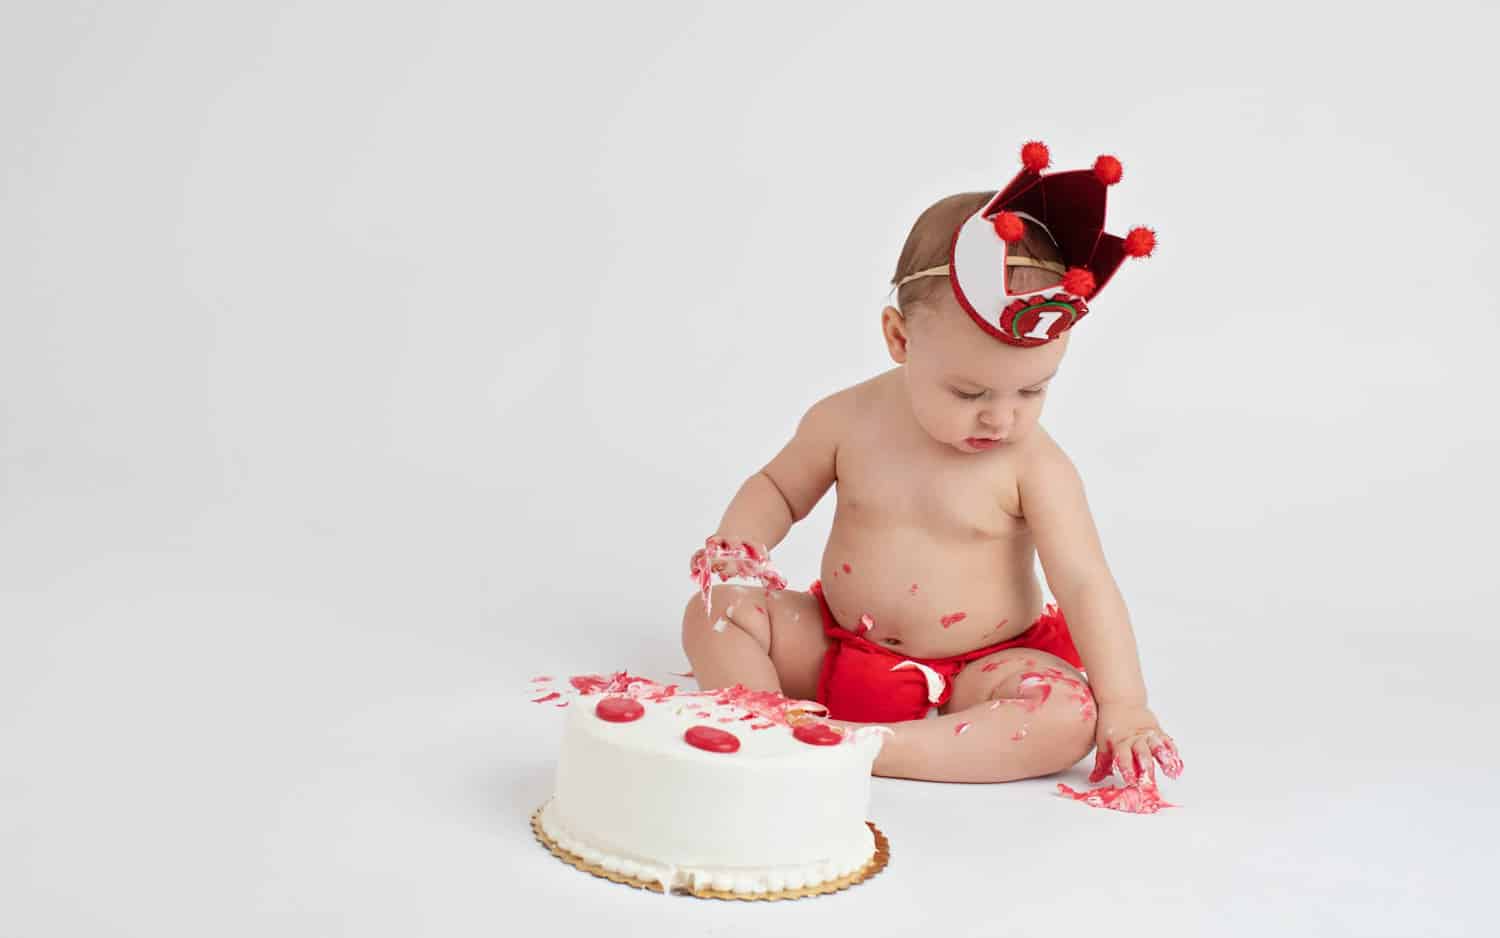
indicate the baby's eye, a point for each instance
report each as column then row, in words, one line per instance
column 1031, row 392
column 968, row 397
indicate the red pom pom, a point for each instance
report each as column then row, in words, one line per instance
column 1140, row 242
column 1078, row 281
column 1034, row 156
column 1009, row 226
column 1108, row 169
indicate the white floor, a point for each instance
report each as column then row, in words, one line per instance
column 360, row 361
column 245, row 723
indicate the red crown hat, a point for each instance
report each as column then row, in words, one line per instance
column 1070, row 208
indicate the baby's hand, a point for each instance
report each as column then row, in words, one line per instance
column 732, row 557
column 1131, row 741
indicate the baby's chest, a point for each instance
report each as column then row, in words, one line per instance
column 951, row 500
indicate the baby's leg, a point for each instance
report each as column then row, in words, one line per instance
column 764, row 639
column 1018, row 713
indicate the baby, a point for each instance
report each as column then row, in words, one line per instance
column 948, row 488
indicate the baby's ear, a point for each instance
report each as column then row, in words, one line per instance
column 893, row 327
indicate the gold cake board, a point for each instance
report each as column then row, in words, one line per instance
column 877, row 863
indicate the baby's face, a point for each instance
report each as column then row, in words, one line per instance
column 969, row 390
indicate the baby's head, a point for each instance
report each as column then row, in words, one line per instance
column 966, row 387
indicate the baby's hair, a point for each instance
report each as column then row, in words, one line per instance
column 930, row 243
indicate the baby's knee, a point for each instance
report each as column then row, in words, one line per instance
column 729, row 607
column 1060, row 717
column 1062, row 732
column 1071, row 727
column 722, row 599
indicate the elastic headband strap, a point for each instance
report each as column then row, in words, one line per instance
column 942, row 271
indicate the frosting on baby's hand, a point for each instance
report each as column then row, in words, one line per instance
column 744, row 559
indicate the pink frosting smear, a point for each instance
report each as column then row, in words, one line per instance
column 752, row 564
column 1171, row 762
column 1131, row 799
column 1105, row 761
column 762, row 709
column 1045, row 679
column 1139, row 794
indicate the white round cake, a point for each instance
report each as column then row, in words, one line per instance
column 732, row 790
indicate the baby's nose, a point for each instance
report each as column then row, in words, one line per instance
column 999, row 420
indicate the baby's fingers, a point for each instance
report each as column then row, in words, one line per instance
column 1125, row 763
column 1165, row 752
column 1145, row 768
column 1103, row 758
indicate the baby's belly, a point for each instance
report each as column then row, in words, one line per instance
column 930, row 597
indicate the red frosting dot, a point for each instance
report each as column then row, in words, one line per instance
column 817, row 734
column 619, row 709
column 711, row 739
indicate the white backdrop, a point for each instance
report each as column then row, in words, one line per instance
column 360, row 361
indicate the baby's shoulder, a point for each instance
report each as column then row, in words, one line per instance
column 1042, row 463
column 827, row 416
column 841, row 407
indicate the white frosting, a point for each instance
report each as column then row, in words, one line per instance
column 637, row 799
column 935, row 681
column 744, row 879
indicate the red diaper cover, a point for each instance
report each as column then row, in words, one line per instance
column 864, row 682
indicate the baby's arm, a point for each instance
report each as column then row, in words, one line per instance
column 1054, row 505
column 1128, row 735
column 779, row 645
column 785, row 491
